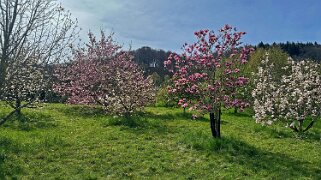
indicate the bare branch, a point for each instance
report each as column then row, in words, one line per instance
column 33, row 35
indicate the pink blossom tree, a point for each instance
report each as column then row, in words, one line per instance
column 207, row 74
column 103, row 74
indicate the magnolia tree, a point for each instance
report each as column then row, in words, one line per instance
column 206, row 76
column 33, row 34
column 296, row 100
column 103, row 74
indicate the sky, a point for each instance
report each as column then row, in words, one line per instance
column 168, row 24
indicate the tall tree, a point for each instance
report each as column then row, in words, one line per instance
column 33, row 34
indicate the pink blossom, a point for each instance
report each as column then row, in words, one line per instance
column 104, row 74
column 194, row 70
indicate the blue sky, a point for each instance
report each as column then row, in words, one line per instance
column 168, row 24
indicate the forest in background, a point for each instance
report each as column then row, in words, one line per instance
column 152, row 60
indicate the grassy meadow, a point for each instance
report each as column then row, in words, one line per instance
column 60, row 141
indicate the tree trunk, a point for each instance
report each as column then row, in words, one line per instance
column 18, row 108
column 2, row 72
column 218, row 124
column 309, row 126
column 301, row 125
column 215, row 120
column 212, row 121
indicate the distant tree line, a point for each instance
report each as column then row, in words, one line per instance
column 152, row 60
column 297, row 50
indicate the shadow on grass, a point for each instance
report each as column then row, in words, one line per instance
column 310, row 136
column 279, row 131
column 178, row 116
column 30, row 121
column 8, row 146
column 276, row 165
column 82, row 111
column 172, row 116
column 2, row 159
column 96, row 111
column 136, row 124
column 245, row 114
column 272, row 131
column 14, row 147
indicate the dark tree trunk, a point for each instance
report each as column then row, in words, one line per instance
column 2, row 72
column 18, row 107
column 215, row 121
column 212, row 121
column 309, row 126
column 235, row 110
column 218, row 124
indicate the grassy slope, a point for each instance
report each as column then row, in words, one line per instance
column 72, row 142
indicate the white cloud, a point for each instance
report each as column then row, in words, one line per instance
column 136, row 22
column 167, row 24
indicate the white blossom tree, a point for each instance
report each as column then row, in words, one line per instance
column 33, row 34
column 300, row 95
column 265, row 93
column 295, row 99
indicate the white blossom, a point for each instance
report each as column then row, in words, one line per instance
column 294, row 99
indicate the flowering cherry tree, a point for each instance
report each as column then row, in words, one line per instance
column 300, row 95
column 265, row 93
column 103, row 74
column 296, row 100
column 206, row 75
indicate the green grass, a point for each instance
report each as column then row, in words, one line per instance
column 74, row 142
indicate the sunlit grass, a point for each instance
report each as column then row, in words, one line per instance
column 76, row 142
